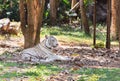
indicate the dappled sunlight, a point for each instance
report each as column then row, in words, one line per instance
column 59, row 40
column 23, row 71
column 75, row 45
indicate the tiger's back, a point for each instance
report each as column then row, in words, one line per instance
column 40, row 51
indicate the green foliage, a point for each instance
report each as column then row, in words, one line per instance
column 66, row 2
column 10, row 9
column 64, row 6
column 88, row 2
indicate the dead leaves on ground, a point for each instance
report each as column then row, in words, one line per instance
column 91, row 57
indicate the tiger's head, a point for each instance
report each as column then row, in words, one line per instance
column 50, row 42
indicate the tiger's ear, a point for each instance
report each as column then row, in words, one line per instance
column 46, row 36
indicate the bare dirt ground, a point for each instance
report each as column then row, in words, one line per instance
column 83, row 56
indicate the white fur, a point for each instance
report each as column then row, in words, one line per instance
column 42, row 53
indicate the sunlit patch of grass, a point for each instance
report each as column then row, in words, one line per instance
column 41, row 72
column 74, row 40
column 91, row 74
column 33, row 72
column 10, row 75
column 12, row 64
column 68, row 35
column 115, row 43
column 2, row 37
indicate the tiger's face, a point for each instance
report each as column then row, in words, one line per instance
column 51, row 42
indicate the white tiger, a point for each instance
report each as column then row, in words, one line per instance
column 42, row 52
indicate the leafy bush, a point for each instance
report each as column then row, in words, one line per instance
column 10, row 9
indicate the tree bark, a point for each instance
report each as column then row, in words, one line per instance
column 108, row 24
column 31, row 12
column 84, row 17
column 118, row 20
column 115, row 24
column 113, row 20
column 94, row 24
column 53, row 11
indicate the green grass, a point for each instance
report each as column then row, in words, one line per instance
column 31, row 71
column 40, row 72
column 75, row 36
column 70, row 35
column 102, row 74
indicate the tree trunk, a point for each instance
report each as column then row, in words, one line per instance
column 115, row 24
column 84, row 17
column 53, row 11
column 31, row 13
column 118, row 19
column 94, row 24
column 113, row 20
column 108, row 23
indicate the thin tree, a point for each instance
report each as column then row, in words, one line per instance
column 94, row 24
column 108, row 23
column 84, row 17
column 31, row 13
